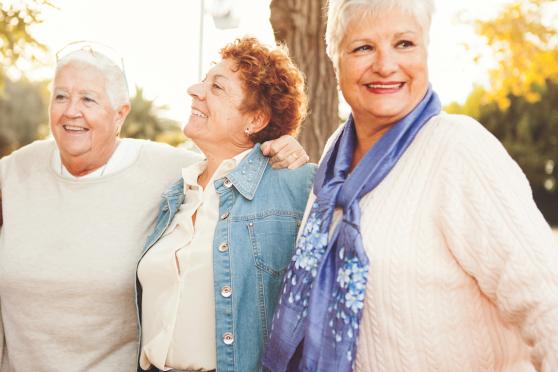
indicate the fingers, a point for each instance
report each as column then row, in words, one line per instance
column 300, row 161
column 293, row 160
column 278, row 146
column 285, row 152
column 266, row 148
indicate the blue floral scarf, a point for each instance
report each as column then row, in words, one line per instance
column 316, row 323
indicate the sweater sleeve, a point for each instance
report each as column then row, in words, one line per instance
column 496, row 233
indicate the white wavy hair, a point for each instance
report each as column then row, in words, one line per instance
column 341, row 12
column 116, row 85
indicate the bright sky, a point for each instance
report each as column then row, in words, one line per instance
column 160, row 41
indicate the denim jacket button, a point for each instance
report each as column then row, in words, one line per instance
column 226, row 291
column 227, row 183
column 228, row 338
column 223, row 247
column 225, row 215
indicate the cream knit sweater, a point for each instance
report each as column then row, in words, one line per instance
column 68, row 254
column 463, row 267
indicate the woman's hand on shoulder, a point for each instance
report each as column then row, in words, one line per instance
column 285, row 152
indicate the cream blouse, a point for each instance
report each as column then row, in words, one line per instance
column 178, row 309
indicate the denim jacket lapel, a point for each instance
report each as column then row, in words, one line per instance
column 248, row 174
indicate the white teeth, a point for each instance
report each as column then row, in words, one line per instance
column 384, row 86
column 199, row 114
column 74, row 128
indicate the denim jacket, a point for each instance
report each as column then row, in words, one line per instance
column 260, row 212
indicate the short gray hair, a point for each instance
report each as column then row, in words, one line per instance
column 340, row 12
column 116, row 85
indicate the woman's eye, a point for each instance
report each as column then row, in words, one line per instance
column 59, row 97
column 88, row 100
column 362, row 48
column 405, row 44
column 216, row 86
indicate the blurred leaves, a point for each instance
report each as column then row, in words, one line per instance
column 23, row 114
column 145, row 121
column 16, row 40
column 525, row 47
column 521, row 105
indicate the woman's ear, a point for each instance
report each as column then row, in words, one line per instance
column 259, row 121
column 121, row 113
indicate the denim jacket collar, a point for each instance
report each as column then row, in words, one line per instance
column 175, row 193
column 247, row 175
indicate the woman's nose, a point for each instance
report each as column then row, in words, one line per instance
column 385, row 63
column 72, row 109
column 197, row 90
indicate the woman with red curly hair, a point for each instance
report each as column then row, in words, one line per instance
column 211, row 271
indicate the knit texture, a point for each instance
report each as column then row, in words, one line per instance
column 68, row 253
column 463, row 267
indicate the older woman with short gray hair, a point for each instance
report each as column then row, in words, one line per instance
column 423, row 249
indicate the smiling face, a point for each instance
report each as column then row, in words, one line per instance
column 217, row 123
column 383, row 71
column 82, row 120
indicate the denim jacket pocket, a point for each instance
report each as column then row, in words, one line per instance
column 273, row 242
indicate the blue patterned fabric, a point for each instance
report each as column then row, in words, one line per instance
column 316, row 323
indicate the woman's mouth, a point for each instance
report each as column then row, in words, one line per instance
column 388, row 87
column 74, row 128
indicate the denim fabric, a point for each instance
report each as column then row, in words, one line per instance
column 260, row 212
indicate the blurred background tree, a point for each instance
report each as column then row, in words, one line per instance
column 300, row 24
column 521, row 105
column 23, row 113
column 145, row 121
column 16, row 41
column 22, row 103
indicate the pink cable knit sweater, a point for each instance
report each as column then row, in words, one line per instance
column 463, row 267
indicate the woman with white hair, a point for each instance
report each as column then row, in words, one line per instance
column 423, row 249
column 76, row 212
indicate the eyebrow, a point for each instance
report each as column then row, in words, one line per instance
column 399, row 34
column 219, row 76
column 396, row 35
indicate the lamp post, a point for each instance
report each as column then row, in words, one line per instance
column 224, row 14
column 200, row 49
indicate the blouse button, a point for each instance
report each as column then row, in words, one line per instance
column 228, row 338
column 223, row 247
column 225, row 215
column 226, row 291
column 227, row 183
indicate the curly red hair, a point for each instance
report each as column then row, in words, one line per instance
column 272, row 85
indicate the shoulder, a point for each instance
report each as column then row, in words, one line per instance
column 296, row 177
column 290, row 186
column 460, row 138
column 30, row 154
column 470, row 151
column 461, row 129
column 166, row 155
column 32, row 149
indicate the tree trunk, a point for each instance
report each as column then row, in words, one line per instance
column 300, row 24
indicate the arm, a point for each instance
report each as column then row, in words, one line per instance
column 495, row 231
column 285, row 152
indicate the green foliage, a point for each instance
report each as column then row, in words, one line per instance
column 144, row 121
column 525, row 48
column 16, row 40
column 23, row 114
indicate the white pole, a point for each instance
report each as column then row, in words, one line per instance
column 200, row 49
